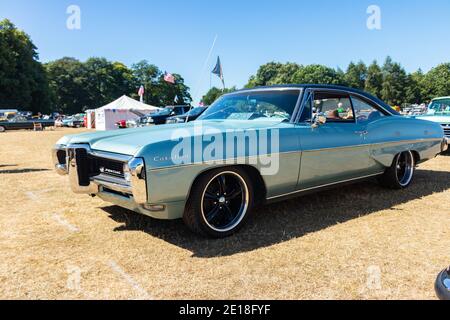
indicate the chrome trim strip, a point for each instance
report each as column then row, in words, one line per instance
column 225, row 162
column 375, row 144
column 324, row 185
column 111, row 156
column 242, row 160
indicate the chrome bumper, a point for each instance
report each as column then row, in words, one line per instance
column 133, row 185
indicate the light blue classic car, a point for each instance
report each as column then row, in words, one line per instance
column 439, row 112
column 249, row 148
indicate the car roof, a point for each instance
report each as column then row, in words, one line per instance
column 325, row 86
column 440, row 98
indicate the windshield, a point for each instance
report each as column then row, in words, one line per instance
column 275, row 104
column 195, row 112
column 440, row 106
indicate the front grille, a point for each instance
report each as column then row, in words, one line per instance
column 106, row 167
column 446, row 128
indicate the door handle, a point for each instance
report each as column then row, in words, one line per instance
column 361, row 133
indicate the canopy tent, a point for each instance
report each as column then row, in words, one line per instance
column 123, row 108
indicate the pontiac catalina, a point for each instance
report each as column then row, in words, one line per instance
column 249, row 148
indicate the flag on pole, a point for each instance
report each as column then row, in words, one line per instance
column 218, row 71
column 141, row 93
column 168, row 77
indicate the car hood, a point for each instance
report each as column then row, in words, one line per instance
column 130, row 141
column 438, row 119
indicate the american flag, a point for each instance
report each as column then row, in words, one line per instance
column 168, row 77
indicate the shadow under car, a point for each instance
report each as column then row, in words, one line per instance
column 280, row 222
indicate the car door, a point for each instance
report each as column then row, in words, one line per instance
column 335, row 151
column 19, row 123
column 377, row 126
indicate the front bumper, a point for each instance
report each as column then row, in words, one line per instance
column 71, row 160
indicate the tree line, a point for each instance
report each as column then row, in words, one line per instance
column 389, row 81
column 70, row 86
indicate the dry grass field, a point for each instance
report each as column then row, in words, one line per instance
column 356, row 242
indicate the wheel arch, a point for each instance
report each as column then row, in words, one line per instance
column 258, row 183
column 416, row 156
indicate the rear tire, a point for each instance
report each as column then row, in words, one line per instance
column 220, row 203
column 401, row 173
column 442, row 285
column 2, row 129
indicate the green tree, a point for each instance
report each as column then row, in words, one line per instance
column 374, row 80
column 436, row 82
column 23, row 82
column 318, row 74
column 356, row 75
column 215, row 93
column 394, row 83
column 265, row 75
column 167, row 92
column 105, row 81
column 157, row 91
column 415, row 90
column 148, row 75
column 67, row 78
column 285, row 74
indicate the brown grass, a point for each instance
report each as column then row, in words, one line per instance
column 324, row 246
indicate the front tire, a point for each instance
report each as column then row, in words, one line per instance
column 400, row 174
column 2, row 129
column 220, row 203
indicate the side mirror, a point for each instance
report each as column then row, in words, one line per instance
column 319, row 119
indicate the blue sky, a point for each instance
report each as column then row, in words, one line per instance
column 177, row 35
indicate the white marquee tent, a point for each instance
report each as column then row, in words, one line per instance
column 123, row 108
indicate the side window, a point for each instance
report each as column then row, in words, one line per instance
column 365, row 112
column 336, row 106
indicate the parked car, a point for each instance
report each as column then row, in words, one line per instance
column 162, row 116
column 133, row 123
column 439, row 112
column 250, row 147
column 191, row 115
column 6, row 114
column 76, row 121
column 20, row 122
column 442, row 285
